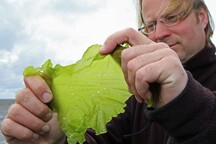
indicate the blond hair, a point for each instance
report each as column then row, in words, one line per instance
column 177, row 4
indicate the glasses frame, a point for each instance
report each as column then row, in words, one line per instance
column 180, row 17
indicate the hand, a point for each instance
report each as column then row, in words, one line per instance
column 30, row 120
column 147, row 62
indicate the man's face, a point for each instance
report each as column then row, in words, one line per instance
column 186, row 38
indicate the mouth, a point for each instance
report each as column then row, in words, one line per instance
column 171, row 43
column 172, row 46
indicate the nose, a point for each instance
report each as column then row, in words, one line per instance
column 161, row 32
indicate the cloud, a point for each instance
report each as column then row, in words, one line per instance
column 9, row 27
column 77, row 6
column 33, row 31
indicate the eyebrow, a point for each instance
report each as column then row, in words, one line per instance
column 163, row 14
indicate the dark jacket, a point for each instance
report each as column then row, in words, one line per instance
column 188, row 119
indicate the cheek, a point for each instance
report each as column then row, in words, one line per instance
column 190, row 30
column 192, row 40
column 187, row 34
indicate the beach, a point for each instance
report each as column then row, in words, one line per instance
column 4, row 105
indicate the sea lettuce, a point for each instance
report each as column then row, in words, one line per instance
column 87, row 94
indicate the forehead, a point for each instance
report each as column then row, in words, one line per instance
column 156, row 8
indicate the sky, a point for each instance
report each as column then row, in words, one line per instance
column 32, row 31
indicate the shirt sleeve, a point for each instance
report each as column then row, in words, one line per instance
column 191, row 117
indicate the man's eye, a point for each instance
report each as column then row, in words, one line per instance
column 150, row 26
column 171, row 18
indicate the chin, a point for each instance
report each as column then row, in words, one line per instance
column 181, row 56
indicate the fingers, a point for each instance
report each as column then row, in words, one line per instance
column 146, row 62
column 30, row 102
column 21, row 124
column 163, row 72
column 28, row 117
column 144, row 77
column 138, row 56
column 154, row 63
column 39, row 87
column 30, row 120
column 13, row 130
column 23, row 117
column 131, row 36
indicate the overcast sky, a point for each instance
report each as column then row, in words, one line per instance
column 32, row 31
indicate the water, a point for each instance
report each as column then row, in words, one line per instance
column 4, row 105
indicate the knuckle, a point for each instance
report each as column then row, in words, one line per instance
column 131, row 66
column 36, row 84
column 130, row 31
column 26, row 100
column 40, row 86
column 126, row 55
column 148, row 69
column 139, row 75
column 164, row 45
column 172, row 61
column 23, row 95
column 14, row 110
column 6, row 126
column 25, row 135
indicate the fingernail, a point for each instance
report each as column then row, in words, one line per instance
column 47, row 97
column 35, row 136
column 45, row 129
column 47, row 116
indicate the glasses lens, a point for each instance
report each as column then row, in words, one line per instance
column 171, row 19
column 150, row 27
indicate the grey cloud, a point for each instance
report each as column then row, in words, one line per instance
column 31, row 51
column 9, row 27
column 12, row 16
column 8, row 37
column 77, row 6
column 11, row 73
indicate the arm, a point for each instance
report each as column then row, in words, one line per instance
column 190, row 118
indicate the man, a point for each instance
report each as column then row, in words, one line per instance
column 173, row 51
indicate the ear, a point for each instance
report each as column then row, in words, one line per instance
column 203, row 17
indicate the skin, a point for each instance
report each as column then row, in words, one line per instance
column 186, row 38
column 30, row 120
column 157, row 58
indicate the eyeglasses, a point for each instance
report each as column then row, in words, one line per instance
column 169, row 20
